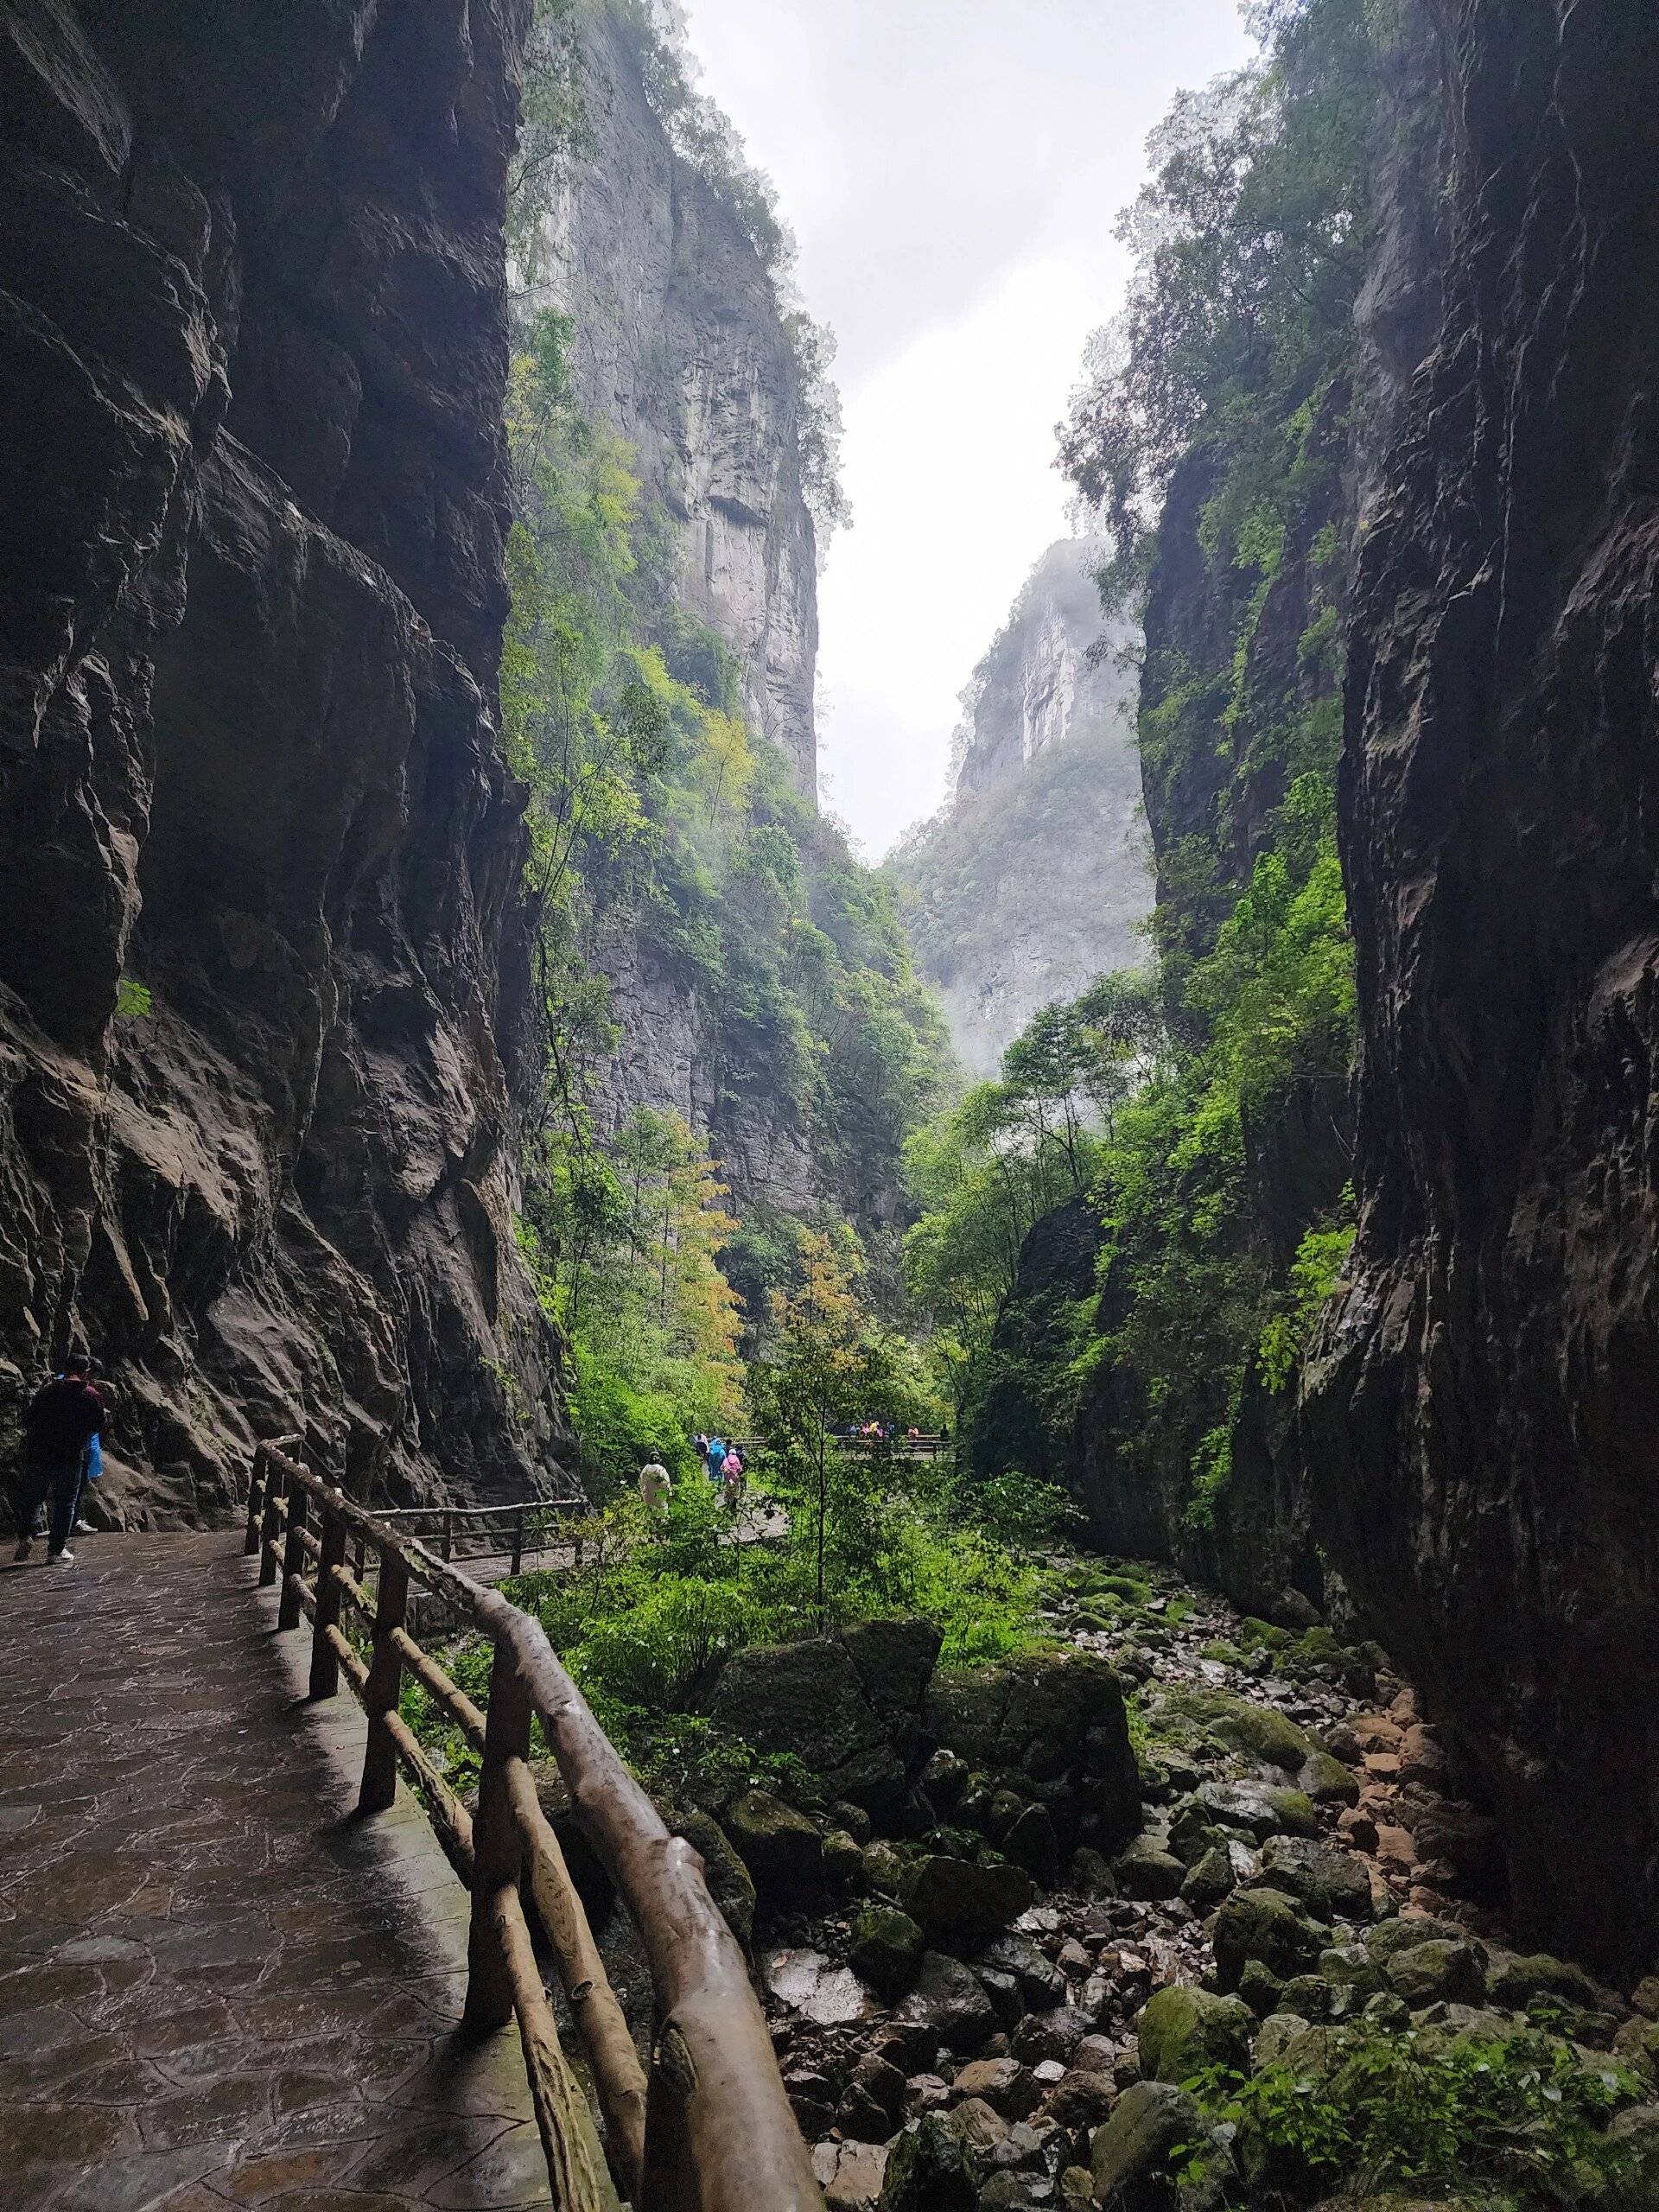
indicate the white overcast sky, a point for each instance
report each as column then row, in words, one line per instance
column 953, row 169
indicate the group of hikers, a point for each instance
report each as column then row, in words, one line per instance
column 62, row 1450
column 723, row 1462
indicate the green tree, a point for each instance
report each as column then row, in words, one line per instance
column 826, row 1366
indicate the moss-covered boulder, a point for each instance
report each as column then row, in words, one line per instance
column 1183, row 2029
column 930, row 2170
column 1264, row 1924
column 1210, row 1880
column 1325, row 1779
column 1331, row 1883
column 1518, row 1981
column 1260, row 1810
column 894, row 1661
column 960, row 1903
column 1410, row 1928
column 1044, row 1718
column 1438, row 1974
column 807, row 1699
column 730, row 1883
column 781, row 1849
column 887, row 1949
column 1130, row 2155
column 1145, row 1869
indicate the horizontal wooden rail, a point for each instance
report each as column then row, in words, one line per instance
column 711, row 2130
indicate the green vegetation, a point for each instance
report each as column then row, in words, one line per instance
column 1419, row 2112
column 662, row 828
column 1211, row 427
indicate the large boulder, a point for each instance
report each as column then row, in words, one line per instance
column 1259, row 1810
column 929, row 2170
column 958, row 1902
column 1330, row 1884
column 947, row 2005
column 887, row 1946
column 1130, row 2155
column 807, row 1700
column 1264, row 1924
column 730, row 1883
column 1182, row 2031
column 1438, row 1973
column 781, row 1849
column 894, row 1661
column 1049, row 1717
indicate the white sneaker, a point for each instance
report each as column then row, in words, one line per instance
column 83, row 1528
column 63, row 1558
column 25, row 1545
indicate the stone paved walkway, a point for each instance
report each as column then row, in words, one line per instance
column 216, row 1986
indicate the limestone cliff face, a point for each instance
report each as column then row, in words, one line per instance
column 251, row 596
column 1216, row 791
column 1033, row 881
column 1483, row 1418
column 679, row 345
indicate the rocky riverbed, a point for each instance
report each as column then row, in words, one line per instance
column 1002, row 1916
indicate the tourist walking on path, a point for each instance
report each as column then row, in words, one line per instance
column 655, row 1486
column 63, row 1417
column 731, row 1475
column 715, row 1458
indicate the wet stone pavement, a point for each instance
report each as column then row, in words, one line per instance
column 216, row 1986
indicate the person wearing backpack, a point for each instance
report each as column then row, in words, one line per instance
column 63, row 1417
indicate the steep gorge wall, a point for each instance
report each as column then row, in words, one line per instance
column 1226, row 676
column 679, row 345
column 250, row 600
column 1032, row 882
column 1484, row 1417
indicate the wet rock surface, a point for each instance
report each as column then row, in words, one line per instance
column 1481, row 1418
column 1062, row 2038
column 250, row 604
column 216, row 1986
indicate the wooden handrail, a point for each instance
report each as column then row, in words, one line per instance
column 711, row 2130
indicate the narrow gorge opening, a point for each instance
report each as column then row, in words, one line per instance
column 831, row 829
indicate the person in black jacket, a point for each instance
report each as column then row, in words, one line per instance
column 63, row 1416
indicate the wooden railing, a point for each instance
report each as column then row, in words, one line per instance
column 527, row 1531
column 710, row 2128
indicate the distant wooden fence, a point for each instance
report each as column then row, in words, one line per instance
column 710, row 2129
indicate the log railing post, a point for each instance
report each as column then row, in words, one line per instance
column 497, row 1847
column 385, row 1681
column 447, row 1526
column 276, row 1483
column 288, row 1612
column 518, row 1540
column 255, row 1502
column 325, row 1665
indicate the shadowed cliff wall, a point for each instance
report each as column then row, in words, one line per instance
column 251, row 597
column 1483, row 1417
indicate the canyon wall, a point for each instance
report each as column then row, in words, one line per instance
column 259, row 946
column 1483, row 1414
column 1033, row 881
column 679, row 345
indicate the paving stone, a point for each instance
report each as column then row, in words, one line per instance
column 223, row 1988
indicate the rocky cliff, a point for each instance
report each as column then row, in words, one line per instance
column 1482, row 1417
column 258, row 940
column 1031, row 882
column 679, row 345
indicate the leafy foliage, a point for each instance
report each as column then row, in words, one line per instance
column 654, row 809
column 1228, row 372
column 1377, row 2110
column 1249, row 242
